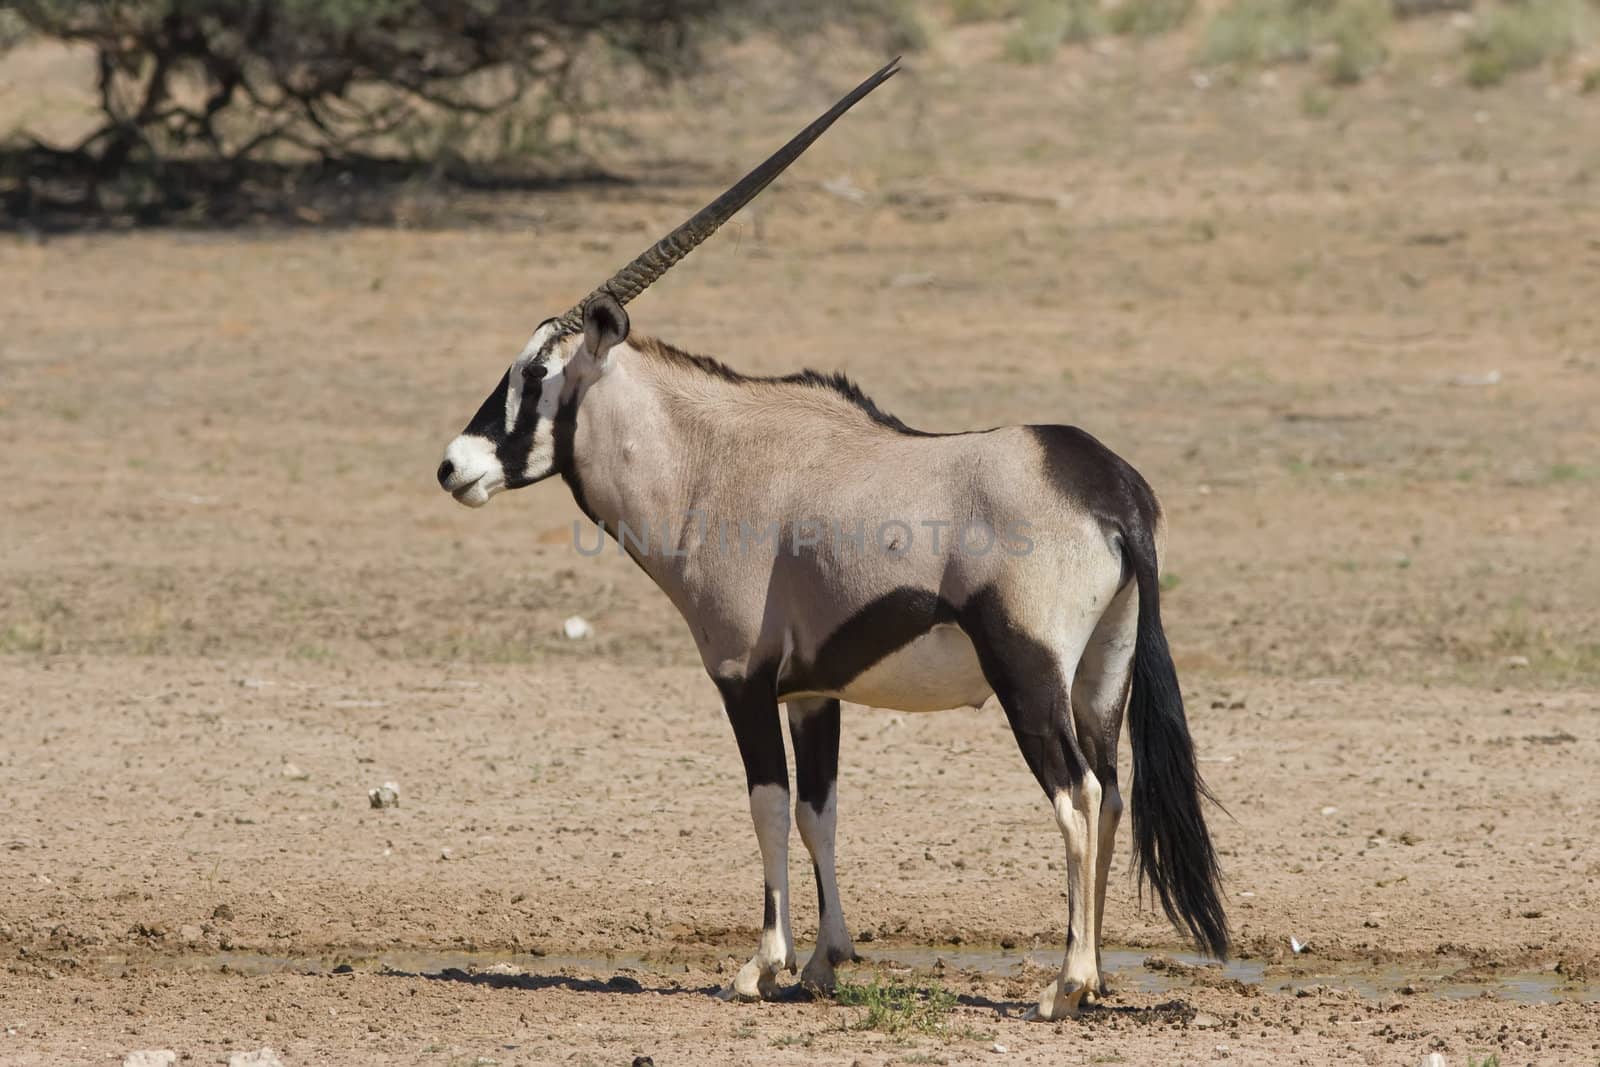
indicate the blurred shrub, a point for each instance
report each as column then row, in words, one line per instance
column 1354, row 31
column 1347, row 34
column 226, row 80
column 1523, row 35
column 1048, row 24
column 962, row 11
column 1148, row 18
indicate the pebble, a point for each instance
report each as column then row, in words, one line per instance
column 386, row 795
column 189, row 933
column 998, row 1047
column 1433, row 1059
column 262, row 1057
column 294, row 773
column 150, row 1058
column 576, row 628
column 1204, row 1021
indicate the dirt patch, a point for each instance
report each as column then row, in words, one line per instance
column 1355, row 355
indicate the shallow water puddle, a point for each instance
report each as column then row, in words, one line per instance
column 1128, row 969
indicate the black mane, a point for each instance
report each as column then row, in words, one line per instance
column 834, row 381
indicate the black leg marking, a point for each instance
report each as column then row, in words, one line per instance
column 1029, row 683
column 816, row 751
column 752, row 707
column 822, row 895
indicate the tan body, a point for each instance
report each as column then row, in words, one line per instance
column 661, row 438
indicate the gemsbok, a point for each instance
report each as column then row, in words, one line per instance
column 825, row 551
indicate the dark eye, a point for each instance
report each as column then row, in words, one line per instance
column 533, row 372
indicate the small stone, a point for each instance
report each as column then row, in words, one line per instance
column 577, row 628
column 222, row 913
column 294, row 773
column 150, row 1058
column 643, row 1061
column 386, row 795
column 189, row 933
column 998, row 1047
column 446, row 853
column 1514, row 662
column 1204, row 1021
column 1433, row 1059
column 262, row 1057
column 866, row 936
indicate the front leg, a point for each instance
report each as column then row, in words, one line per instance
column 752, row 708
column 814, row 729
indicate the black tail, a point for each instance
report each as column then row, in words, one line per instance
column 1172, row 847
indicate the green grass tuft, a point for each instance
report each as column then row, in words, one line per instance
column 895, row 1006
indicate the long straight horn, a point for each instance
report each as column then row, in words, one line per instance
column 633, row 279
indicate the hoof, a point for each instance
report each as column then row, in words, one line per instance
column 818, row 976
column 753, row 982
column 1060, row 1000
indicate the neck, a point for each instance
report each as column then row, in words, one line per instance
column 652, row 441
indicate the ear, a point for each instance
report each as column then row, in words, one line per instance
column 605, row 325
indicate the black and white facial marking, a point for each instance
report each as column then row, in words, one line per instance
column 510, row 442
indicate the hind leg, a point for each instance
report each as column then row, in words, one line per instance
column 1099, row 696
column 814, row 730
column 1033, row 682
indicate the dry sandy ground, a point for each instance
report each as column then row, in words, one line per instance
column 223, row 553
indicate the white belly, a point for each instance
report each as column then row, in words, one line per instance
column 938, row 670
